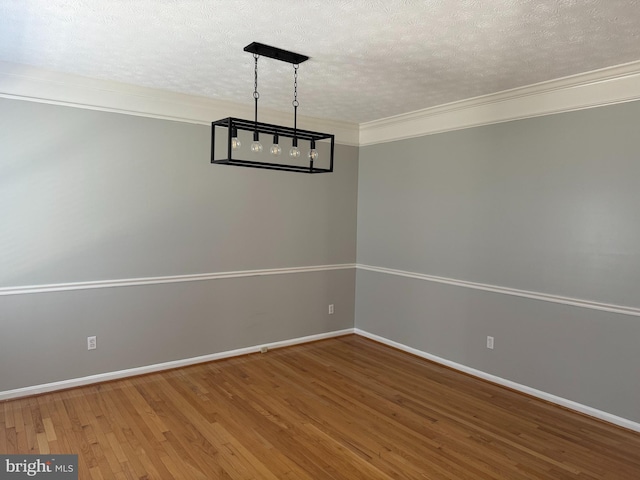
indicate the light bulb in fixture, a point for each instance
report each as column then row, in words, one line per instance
column 256, row 146
column 295, row 151
column 313, row 153
column 235, row 142
column 275, row 148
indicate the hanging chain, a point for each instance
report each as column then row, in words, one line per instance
column 256, row 95
column 295, row 86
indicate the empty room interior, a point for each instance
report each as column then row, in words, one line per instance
column 321, row 240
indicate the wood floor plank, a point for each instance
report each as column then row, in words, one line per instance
column 415, row 447
column 344, row 408
column 143, row 447
column 146, row 413
column 12, row 441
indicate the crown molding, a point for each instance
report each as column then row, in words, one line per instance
column 598, row 88
column 607, row 86
column 24, row 82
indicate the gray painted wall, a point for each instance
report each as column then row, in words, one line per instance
column 88, row 195
column 547, row 204
column 44, row 336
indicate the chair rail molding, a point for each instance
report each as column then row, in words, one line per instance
column 198, row 277
column 546, row 297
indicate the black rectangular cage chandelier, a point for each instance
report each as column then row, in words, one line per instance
column 309, row 152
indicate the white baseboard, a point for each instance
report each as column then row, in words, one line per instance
column 578, row 407
column 131, row 372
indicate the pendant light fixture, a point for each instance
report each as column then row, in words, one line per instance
column 224, row 132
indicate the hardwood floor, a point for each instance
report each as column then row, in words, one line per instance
column 345, row 408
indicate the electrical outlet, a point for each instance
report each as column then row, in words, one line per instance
column 490, row 343
column 331, row 309
column 92, row 343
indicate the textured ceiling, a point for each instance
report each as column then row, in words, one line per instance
column 370, row 59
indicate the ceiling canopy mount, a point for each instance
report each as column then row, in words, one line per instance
column 275, row 53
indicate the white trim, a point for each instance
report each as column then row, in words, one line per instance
column 130, row 282
column 602, row 87
column 570, row 404
column 33, row 84
column 607, row 86
column 131, row 372
column 576, row 302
